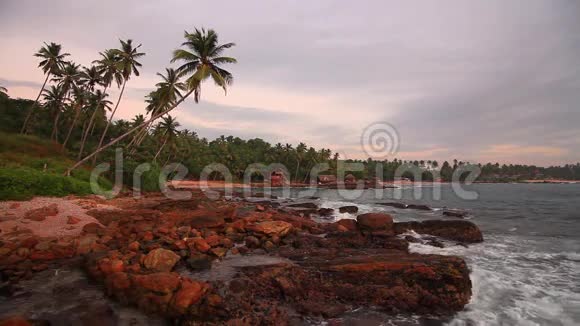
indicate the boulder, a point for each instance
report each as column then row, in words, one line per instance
column 348, row 209
column 162, row 282
column 40, row 214
column 375, row 222
column 348, row 224
column 189, row 293
column 458, row 230
column 271, row 228
column 161, row 260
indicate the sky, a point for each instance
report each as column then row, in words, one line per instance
column 479, row 81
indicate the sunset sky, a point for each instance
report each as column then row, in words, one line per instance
column 474, row 80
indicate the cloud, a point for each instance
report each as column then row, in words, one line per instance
column 455, row 83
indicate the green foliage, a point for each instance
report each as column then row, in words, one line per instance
column 19, row 183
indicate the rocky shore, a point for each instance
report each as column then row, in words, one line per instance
column 242, row 262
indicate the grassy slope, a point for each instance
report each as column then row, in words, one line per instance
column 30, row 166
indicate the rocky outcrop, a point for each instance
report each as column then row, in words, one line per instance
column 375, row 222
column 463, row 231
column 40, row 214
column 348, row 209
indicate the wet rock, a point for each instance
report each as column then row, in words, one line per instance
column 394, row 204
column 455, row 213
column 347, row 224
column 40, row 214
column 161, row 260
column 375, row 222
column 325, row 211
column 419, row 207
column 199, row 262
column 463, row 231
column 348, row 209
column 303, row 205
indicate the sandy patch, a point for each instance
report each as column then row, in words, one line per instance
column 12, row 215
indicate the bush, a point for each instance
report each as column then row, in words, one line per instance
column 22, row 183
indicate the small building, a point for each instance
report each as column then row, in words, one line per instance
column 326, row 178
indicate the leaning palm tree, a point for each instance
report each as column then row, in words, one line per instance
column 202, row 58
column 52, row 59
column 53, row 99
column 127, row 65
column 167, row 93
column 68, row 76
column 91, row 78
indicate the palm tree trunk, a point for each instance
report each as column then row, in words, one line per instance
column 160, row 149
column 123, row 136
column 55, row 126
column 89, row 126
column 111, row 118
column 297, row 169
column 24, row 125
column 71, row 127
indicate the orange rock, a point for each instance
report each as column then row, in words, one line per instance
column 189, row 293
column 72, row 220
column 147, row 236
column 376, row 221
column 134, row 246
column 162, row 282
column 40, row 214
column 213, row 240
column 199, row 244
column 161, row 260
column 118, row 281
column 271, row 228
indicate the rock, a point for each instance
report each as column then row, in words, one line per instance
column 72, row 220
column 252, row 242
column 455, row 213
column 15, row 321
column 199, row 262
column 14, row 206
column 85, row 243
column 134, row 246
column 458, row 230
column 325, row 211
column 198, row 244
column 40, row 214
column 375, row 222
column 219, row 252
column 271, row 228
column 209, row 221
column 303, row 205
column 349, row 224
column 260, row 208
column 396, row 205
column 161, row 260
column 419, row 207
column 92, row 228
column 189, row 293
column 348, row 209
column 162, row 282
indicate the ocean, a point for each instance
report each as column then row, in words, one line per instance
column 527, row 270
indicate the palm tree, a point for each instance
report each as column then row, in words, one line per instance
column 68, row 76
column 201, row 62
column 166, row 94
column 167, row 130
column 127, row 65
column 300, row 150
column 97, row 103
column 91, row 78
column 53, row 98
column 80, row 95
column 109, row 72
column 52, row 59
